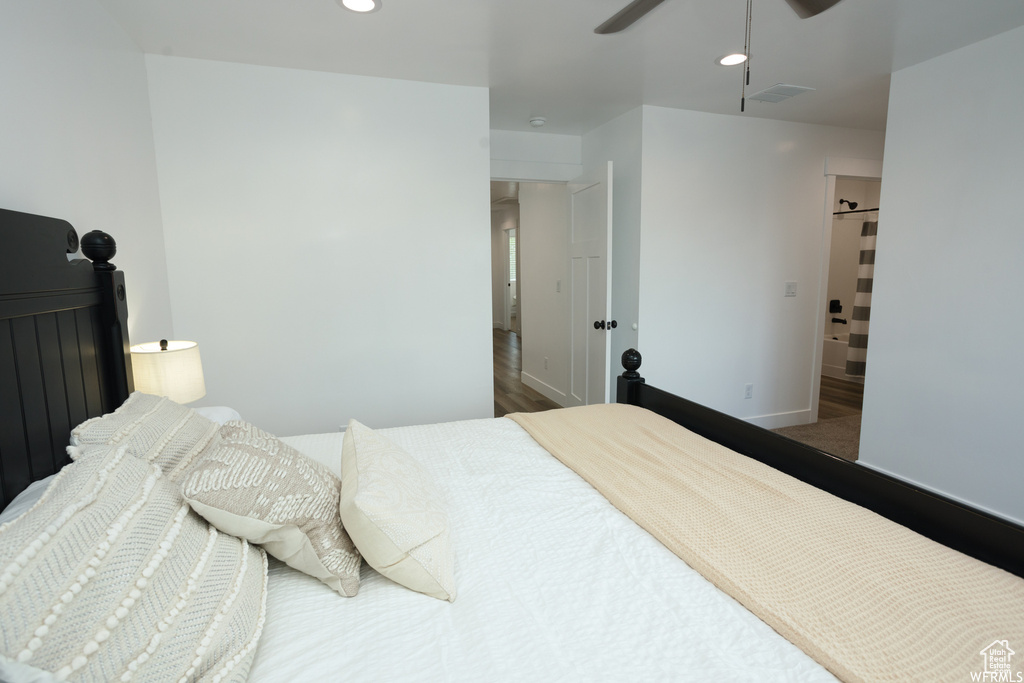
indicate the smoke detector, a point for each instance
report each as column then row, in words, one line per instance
column 538, row 121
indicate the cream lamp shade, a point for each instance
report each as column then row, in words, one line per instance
column 169, row 368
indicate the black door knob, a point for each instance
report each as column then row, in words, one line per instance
column 612, row 324
column 598, row 324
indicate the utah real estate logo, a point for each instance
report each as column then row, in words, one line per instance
column 997, row 665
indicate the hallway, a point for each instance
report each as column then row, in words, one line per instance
column 510, row 396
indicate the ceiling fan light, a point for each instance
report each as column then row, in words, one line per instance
column 810, row 8
column 732, row 60
column 362, row 6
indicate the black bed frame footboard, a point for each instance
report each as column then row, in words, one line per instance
column 973, row 532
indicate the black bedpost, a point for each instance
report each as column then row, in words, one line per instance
column 629, row 380
column 99, row 247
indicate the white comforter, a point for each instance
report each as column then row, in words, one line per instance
column 554, row 584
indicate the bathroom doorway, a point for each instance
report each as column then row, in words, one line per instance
column 854, row 188
column 856, row 203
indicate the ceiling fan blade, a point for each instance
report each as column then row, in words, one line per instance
column 629, row 14
column 808, row 8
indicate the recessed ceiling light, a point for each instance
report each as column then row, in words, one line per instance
column 731, row 60
column 362, row 6
column 538, row 121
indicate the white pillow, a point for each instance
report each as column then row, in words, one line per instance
column 394, row 514
column 110, row 574
column 16, row 672
column 25, row 500
column 254, row 486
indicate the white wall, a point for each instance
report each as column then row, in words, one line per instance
column 518, row 155
column 942, row 402
column 732, row 209
column 327, row 241
column 76, row 141
column 620, row 141
column 544, row 263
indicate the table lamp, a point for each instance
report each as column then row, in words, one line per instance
column 169, row 368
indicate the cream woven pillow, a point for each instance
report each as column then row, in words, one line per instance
column 153, row 428
column 111, row 577
column 393, row 512
column 254, row 486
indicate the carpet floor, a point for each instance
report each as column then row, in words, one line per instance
column 838, row 436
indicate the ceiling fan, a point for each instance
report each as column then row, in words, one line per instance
column 638, row 8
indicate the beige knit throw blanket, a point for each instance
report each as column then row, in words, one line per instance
column 868, row 599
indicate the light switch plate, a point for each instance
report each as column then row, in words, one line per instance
column 790, row 289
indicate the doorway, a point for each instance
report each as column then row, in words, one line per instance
column 557, row 301
column 505, row 236
column 511, row 394
column 856, row 204
column 511, row 262
column 853, row 191
column 837, row 169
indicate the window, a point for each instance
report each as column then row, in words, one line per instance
column 512, row 255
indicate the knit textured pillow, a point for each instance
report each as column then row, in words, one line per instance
column 153, row 428
column 110, row 577
column 393, row 511
column 255, row 486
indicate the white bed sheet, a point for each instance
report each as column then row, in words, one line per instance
column 554, row 584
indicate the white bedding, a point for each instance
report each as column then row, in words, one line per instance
column 554, row 584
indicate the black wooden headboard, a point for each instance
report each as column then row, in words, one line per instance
column 64, row 350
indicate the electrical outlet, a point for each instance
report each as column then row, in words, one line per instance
column 748, row 391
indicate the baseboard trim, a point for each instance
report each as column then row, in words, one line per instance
column 779, row 420
column 941, row 492
column 834, row 371
column 544, row 389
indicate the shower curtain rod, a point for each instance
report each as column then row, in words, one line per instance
column 841, row 213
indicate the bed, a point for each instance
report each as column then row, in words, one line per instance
column 653, row 539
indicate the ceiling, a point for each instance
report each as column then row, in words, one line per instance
column 542, row 58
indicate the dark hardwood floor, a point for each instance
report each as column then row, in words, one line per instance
column 510, row 395
column 839, row 398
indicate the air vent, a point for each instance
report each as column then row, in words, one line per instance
column 778, row 92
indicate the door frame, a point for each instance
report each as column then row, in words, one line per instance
column 835, row 167
column 506, row 254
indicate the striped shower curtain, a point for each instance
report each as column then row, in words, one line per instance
column 857, row 353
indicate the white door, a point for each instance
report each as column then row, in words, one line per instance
column 590, row 253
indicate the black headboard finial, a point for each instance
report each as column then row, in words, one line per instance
column 99, row 247
column 631, row 360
